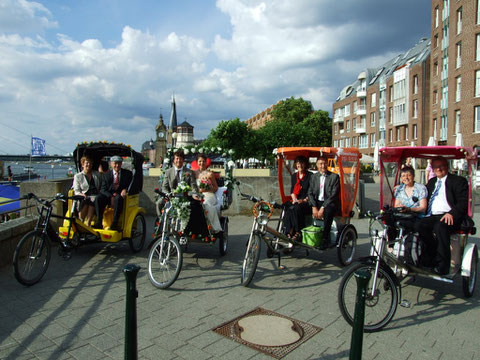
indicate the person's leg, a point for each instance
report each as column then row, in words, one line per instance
column 117, row 209
column 424, row 227
column 100, row 203
column 328, row 215
column 83, row 211
column 90, row 213
column 442, row 232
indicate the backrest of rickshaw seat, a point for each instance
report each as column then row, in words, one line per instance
column 219, row 195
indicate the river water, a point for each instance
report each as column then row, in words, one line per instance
column 41, row 171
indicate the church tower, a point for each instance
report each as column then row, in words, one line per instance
column 172, row 127
column 160, row 142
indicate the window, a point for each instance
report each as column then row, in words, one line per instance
column 435, row 41
column 336, row 129
column 363, row 141
column 457, row 121
column 415, row 84
column 372, row 140
column 373, row 100
column 458, row 91
column 477, row 118
column 458, row 61
column 437, row 14
column 478, row 11
column 435, row 68
column 347, row 126
column 435, row 128
column 406, row 132
column 354, row 125
column 390, row 115
column 398, row 134
column 477, row 50
column 372, row 119
column 477, row 83
column 335, row 143
column 435, row 96
column 459, row 21
column 355, row 107
column 347, row 110
column 415, row 109
column 354, row 141
column 390, row 91
column 415, row 134
column 390, row 135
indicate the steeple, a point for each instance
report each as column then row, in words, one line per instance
column 173, row 116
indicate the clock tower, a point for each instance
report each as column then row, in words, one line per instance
column 160, row 142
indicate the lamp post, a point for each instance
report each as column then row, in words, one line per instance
column 174, row 139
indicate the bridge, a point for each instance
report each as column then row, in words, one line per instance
column 11, row 158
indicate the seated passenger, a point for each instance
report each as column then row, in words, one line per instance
column 178, row 173
column 324, row 196
column 411, row 195
column 294, row 218
column 87, row 183
column 447, row 207
column 115, row 185
column 207, row 185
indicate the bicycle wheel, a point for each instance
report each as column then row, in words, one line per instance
column 223, row 241
column 137, row 237
column 250, row 261
column 469, row 282
column 31, row 258
column 346, row 246
column 165, row 261
column 379, row 308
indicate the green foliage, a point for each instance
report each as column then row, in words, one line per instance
column 292, row 110
column 366, row 168
column 232, row 134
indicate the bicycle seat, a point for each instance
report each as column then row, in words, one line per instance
column 404, row 216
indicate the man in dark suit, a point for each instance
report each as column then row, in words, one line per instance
column 447, row 207
column 114, row 188
column 324, row 196
column 178, row 173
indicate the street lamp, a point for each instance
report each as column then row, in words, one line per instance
column 174, row 139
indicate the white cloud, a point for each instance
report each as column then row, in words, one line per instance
column 24, row 16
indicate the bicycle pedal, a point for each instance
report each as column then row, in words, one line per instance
column 183, row 240
column 405, row 303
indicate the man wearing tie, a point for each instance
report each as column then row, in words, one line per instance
column 114, row 188
column 178, row 173
column 324, row 196
column 447, row 207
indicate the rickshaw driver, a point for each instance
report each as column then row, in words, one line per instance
column 447, row 207
column 113, row 190
column 323, row 195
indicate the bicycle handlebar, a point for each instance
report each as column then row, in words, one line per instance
column 58, row 196
column 256, row 199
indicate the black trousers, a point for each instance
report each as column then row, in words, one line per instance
column 436, row 236
column 294, row 218
column 103, row 200
column 329, row 213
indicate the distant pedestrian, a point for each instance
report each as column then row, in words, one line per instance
column 10, row 174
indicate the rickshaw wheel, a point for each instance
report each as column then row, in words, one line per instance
column 223, row 241
column 31, row 258
column 137, row 237
column 469, row 282
column 379, row 308
column 346, row 246
column 250, row 261
column 165, row 261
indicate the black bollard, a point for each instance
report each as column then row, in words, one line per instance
column 131, row 271
column 362, row 277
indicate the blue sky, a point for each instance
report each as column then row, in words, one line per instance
column 77, row 70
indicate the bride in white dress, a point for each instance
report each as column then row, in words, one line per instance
column 208, row 186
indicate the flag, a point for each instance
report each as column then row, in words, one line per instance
column 38, row 147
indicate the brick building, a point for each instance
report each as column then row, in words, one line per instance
column 259, row 120
column 387, row 104
column 431, row 92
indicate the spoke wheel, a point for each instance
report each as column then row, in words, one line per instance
column 137, row 237
column 250, row 261
column 379, row 308
column 223, row 243
column 31, row 258
column 469, row 282
column 165, row 261
column 346, row 246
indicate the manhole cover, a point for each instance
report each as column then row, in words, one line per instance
column 267, row 331
column 257, row 329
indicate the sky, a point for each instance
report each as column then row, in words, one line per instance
column 78, row 70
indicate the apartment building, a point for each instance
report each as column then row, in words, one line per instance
column 455, row 71
column 388, row 104
column 259, row 120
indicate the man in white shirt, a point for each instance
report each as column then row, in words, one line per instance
column 447, row 207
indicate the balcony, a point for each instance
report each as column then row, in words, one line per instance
column 338, row 119
column 361, row 110
column 342, row 131
column 361, row 92
column 361, row 129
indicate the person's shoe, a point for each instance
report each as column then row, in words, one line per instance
column 114, row 227
column 440, row 270
column 98, row 225
column 297, row 237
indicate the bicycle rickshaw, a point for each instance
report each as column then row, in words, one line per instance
column 343, row 161
column 32, row 255
column 388, row 262
column 171, row 237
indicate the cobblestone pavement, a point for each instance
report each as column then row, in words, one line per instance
column 78, row 310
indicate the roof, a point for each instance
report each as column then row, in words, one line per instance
column 413, row 56
column 185, row 124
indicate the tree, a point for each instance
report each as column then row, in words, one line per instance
column 292, row 110
column 232, row 134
